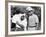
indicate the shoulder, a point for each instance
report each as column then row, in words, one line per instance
column 35, row 15
column 15, row 15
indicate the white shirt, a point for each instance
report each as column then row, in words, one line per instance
column 33, row 19
column 17, row 17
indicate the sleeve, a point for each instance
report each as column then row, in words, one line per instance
column 14, row 19
column 37, row 20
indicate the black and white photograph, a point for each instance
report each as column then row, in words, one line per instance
column 25, row 18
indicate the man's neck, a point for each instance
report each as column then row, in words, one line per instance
column 31, row 15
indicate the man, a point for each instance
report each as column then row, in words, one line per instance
column 33, row 19
column 20, row 21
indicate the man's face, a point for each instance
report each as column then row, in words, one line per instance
column 31, row 12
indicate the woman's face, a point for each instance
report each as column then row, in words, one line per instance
column 22, row 18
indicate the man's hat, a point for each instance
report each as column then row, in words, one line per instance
column 29, row 9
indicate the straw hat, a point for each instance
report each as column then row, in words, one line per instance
column 29, row 9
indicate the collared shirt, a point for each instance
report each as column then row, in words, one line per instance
column 33, row 19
